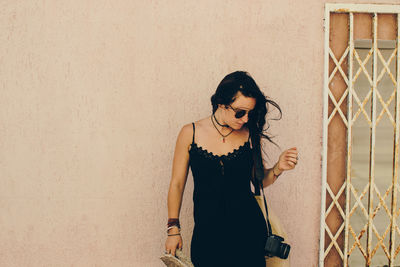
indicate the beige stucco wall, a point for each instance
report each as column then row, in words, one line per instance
column 93, row 94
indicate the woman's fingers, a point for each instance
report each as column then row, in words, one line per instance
column 173, row 251
column 172, row 244
column 292, row 153
column 291, row 158
column 291, row 161
column 288, row 159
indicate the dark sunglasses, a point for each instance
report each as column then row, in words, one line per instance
column 239, row 113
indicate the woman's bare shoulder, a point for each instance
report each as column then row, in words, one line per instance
column 186, row 132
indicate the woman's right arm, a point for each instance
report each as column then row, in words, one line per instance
column 180, row 167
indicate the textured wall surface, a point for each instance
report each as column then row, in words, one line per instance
column 93, row 94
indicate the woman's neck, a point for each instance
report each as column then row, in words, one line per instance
column 220, row 118
column 220, row 121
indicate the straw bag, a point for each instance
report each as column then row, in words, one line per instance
column 179, row 260
column 277, row 229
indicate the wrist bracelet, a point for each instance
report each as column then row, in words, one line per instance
column 174, row 234
column 173, row 227
column 173, row 222
column 273, row 171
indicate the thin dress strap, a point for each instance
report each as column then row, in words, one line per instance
column 193, row 132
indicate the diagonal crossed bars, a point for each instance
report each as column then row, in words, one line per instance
column 358, row 198
column 377, row 200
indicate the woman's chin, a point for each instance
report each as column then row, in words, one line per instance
column 238, row 126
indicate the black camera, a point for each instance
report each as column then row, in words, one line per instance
column 275, row 247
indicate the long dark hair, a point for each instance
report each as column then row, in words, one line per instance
column 243, row 82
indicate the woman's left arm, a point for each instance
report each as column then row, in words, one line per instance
column 287, row 161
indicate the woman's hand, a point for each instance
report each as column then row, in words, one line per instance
column 173, row 242
column 287, row 160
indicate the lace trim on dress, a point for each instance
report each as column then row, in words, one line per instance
column 236, row 152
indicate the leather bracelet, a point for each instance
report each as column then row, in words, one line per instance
column 273, row 171
column 173, row 227
column 174, row 234
column 173, row 221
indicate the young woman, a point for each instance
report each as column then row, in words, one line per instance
column 229, row 227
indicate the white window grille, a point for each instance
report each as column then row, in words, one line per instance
column 360, row 208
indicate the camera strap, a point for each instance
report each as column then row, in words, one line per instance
column 258, row 176
column 257, row 193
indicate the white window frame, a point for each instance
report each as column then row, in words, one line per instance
column 373, row 9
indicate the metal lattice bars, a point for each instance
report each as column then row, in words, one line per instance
column 373, row 139
column 393, row 253
column 377, row 199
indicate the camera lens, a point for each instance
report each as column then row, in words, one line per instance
column 284, row 251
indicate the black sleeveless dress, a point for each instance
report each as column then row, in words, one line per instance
column 229, row 227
